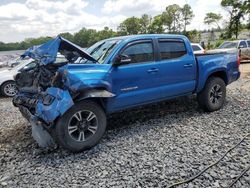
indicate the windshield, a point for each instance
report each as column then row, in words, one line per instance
column 228, row 45
column 101, row 50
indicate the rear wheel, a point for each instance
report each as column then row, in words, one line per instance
column 212, row 97
column 9, row 89
column 81, row 127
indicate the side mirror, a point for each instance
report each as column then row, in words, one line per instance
column 122, row 60
column 241, row 46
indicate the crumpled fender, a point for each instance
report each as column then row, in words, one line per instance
column 61, row 103
column 75, row 84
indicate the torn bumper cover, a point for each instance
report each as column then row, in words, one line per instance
column 52, row 104
column 55, row 102
column 43, row 96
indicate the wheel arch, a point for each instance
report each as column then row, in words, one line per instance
column 6, row 82
column 221, row 73
column 98, row 95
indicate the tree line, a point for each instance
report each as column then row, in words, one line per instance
column 173, row 20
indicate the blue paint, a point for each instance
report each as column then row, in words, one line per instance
column 61, row 103
column 45, row 53
column 172, row 79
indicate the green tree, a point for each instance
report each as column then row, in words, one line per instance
column 104, row 34
column 85, row 37
column 187, row 15
column 156, row 25
column 237, row 10
column 193, row 35
column 171, row 18
column 67, row 36
column 212, row 19
column 145, row 22
column 129, row 26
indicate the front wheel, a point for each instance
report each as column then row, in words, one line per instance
column 212, row 97
column 81, row 127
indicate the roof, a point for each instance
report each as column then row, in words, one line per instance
column 142, row 36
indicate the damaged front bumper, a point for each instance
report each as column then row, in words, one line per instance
column 43, row 111
column 40, row 134
column 46, row 91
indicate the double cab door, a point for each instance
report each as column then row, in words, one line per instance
column 159, row 69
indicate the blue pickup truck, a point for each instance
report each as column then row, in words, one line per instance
column 67, row 99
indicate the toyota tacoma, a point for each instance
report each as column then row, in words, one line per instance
column 67, row 101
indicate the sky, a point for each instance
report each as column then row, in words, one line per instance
column 20, row 19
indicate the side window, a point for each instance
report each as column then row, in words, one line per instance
column 140, row 52
column 172, row 49
column 248, row 43
column 196, row 48
column 243, row 44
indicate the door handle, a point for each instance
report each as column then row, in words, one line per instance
column 188, row 65
column 153, row 70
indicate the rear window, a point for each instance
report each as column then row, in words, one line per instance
column 248, row 43
column 228, row 45
column 172, row 49
column 196, row 48
column 243, row 44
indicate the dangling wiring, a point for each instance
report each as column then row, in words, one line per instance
column 213, row 164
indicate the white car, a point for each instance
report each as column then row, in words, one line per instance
column 7, row 83
column 197, row 48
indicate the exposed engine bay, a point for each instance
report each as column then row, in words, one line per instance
column 45, row 90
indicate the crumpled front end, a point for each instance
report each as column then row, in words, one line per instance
column 45, row 92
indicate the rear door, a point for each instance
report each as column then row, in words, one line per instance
column 177, row 68
column 134, row 83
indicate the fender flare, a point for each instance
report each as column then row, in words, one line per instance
column 94, row 93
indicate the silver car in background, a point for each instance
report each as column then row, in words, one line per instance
column 7, row 83
column 242, row 45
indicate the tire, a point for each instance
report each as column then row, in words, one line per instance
column 8, row 89
column 69, row 128
column 212, row 97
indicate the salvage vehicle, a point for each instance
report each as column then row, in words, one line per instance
column 68, row 102
column 243, row 46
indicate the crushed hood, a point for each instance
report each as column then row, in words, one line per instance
column 47, row 52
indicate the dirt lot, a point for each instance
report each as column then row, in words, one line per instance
column 245, row 70
column 153, row 146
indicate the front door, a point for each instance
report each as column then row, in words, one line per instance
column 134, row 83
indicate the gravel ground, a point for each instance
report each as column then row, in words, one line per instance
column 153, row 146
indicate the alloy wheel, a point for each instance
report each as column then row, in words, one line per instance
column 82, row 125
column 215, row 94
column 10, row 89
